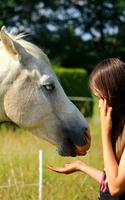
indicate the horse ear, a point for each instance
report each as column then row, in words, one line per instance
column 13, row 47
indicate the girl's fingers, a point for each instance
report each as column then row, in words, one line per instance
column 56, row 169
column 109, row 112
column 65, row 170
column 52, row 167
column 104, row 107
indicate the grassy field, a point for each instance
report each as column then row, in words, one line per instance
column 20, row 169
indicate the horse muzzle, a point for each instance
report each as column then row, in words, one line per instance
column 71, row 148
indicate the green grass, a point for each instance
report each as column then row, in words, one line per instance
column 20, row 169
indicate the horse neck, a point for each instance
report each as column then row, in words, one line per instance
column 6, row 76
column 3, row 116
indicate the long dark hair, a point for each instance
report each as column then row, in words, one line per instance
column 107, row 81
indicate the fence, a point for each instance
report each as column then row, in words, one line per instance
column 89, row 99
column 40, row 182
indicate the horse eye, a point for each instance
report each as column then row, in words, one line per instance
column 49, row 87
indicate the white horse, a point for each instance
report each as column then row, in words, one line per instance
column 32, row 97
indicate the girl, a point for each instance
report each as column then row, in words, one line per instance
column 107, row 82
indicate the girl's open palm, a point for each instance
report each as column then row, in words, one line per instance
column 68, row 168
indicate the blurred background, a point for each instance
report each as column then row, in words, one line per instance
column 76, row 35
column 73, row 33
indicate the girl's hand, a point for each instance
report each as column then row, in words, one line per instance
column 68, row 168
column 106, row 118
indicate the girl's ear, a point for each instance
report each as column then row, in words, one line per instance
column 12, row 47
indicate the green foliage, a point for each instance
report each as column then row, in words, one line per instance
column 75, row 84
column 75, row 81
column 73, row 33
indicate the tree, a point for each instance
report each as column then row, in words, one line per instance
column 75, row 32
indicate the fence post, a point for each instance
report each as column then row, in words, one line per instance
column 40, row 174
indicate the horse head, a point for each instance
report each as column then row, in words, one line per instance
column 32, row 97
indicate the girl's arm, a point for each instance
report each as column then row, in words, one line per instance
column 79, row 166
column 115, row 172
column 92, row 172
